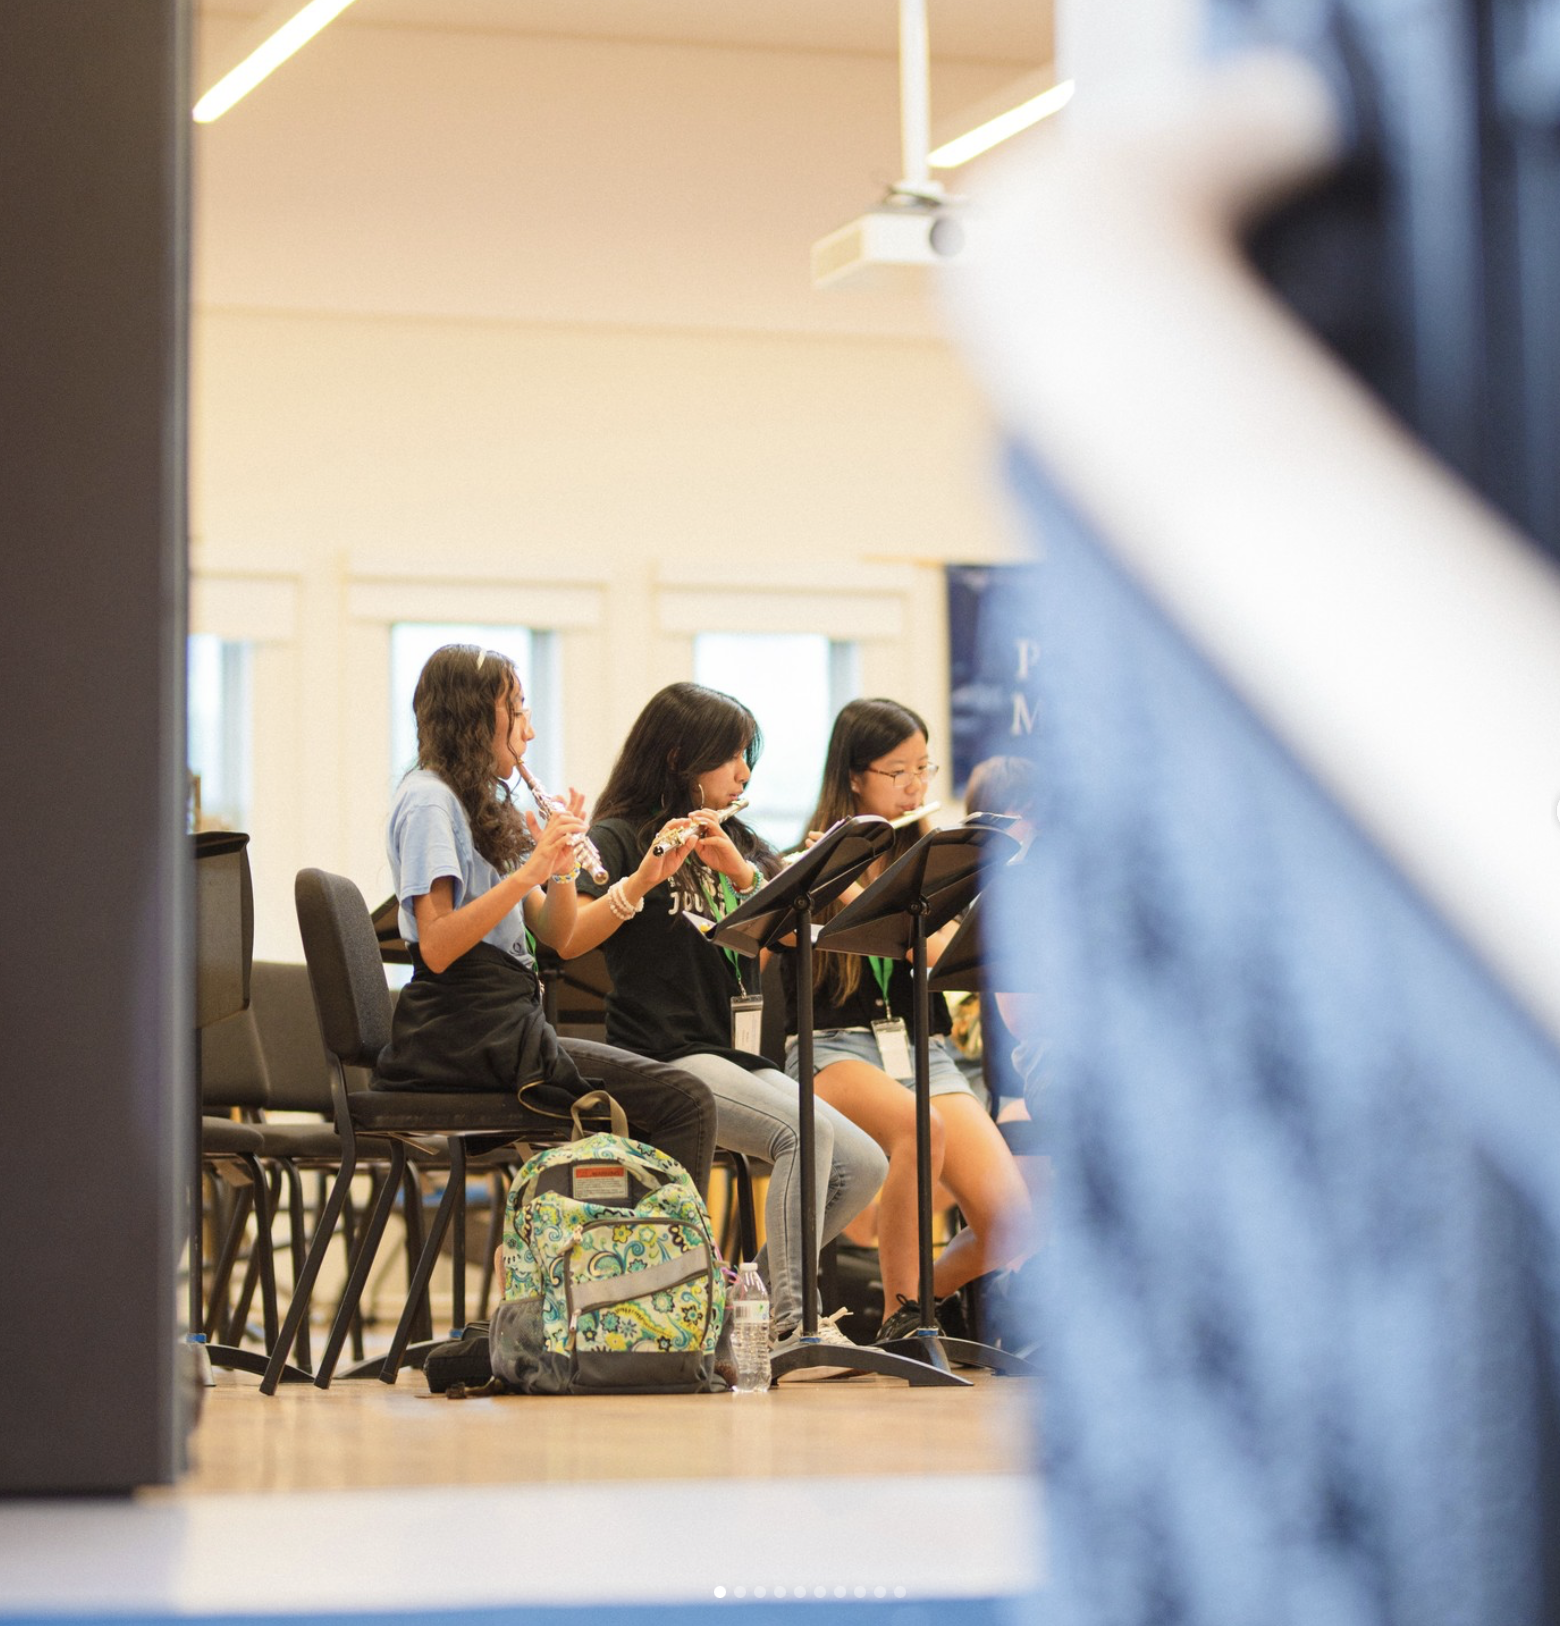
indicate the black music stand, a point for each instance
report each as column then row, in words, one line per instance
column 961, row 967
column 224, row 954
column 785, row 905
column 919, row 893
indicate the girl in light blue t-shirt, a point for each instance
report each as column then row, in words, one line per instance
column 472, row 876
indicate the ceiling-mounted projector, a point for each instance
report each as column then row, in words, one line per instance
column 901, row 235
column 917, row 224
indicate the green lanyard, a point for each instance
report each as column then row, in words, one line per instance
column 883, row 970
column 729, row 898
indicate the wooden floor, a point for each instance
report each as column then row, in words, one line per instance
column 364, row 1434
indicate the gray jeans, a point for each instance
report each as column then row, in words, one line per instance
column 756, row 1114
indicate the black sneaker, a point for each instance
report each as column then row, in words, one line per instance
column 902, row 1323
column 953, row 1318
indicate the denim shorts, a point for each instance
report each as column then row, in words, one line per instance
column 859, row 1044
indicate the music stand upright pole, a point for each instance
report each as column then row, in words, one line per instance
column 922, row 1011
column 806, row 1116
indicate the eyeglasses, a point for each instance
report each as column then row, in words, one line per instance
column 902, row 776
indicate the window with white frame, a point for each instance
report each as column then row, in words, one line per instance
column 794, row 684
column 534, row 655
column 219, row 713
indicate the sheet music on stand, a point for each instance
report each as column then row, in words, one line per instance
column 819, row 874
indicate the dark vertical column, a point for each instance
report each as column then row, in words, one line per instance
column 94, row 947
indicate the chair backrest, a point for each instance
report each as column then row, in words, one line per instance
column 574, row 993
column 296, row 1062
column 232, row 1064
column 351, row 996
column 224, row 925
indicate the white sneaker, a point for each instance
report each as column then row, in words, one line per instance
column 828, row 1334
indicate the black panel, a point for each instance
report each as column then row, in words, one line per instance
column 94, row 1008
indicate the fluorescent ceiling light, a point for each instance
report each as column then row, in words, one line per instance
column 985, row 136
column 295, row 31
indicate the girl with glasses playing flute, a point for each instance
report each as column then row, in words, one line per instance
column 473, row 878
column 877, row 763
column 678, row 861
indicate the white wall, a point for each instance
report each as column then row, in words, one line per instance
column 501, row 328
column 1100, row 46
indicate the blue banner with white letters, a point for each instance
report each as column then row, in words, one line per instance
column 993, row 656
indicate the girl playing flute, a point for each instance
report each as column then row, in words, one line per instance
column 472, row 877
column 877, row 763
column 685, row 761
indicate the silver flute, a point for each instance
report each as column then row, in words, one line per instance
column 914, row 816
column 681, row 838
column 585, row 854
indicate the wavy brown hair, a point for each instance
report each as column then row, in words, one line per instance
column 454, row 703
column 685, row 730
column 862, row 732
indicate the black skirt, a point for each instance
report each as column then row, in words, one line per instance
column 476, row 1025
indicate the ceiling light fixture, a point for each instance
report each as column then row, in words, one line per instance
column 281, row 31
column 986, row 136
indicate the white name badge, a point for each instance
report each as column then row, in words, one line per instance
column 747, row 1023
column 894, row 1048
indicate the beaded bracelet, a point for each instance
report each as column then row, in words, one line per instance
column 565, row 877
column 617, row 902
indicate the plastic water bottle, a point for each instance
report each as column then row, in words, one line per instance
column 750, row 1330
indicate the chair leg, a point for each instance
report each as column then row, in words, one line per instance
column 298, row 1309
column 349, row 1227
column 299, row 1229
column 829, row 1272
column 368, row 1247
column 748, row 1219
column 416, row 1240
column 458, row 1260
column 419, row 1285
column 263, row 1211
column 222, row 1272
column 238, row 1321
column 499, row 1189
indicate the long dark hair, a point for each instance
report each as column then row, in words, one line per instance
column 862, row 732
column 684, row 731
column 454, row 703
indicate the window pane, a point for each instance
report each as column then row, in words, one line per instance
column 412, row 642
column 793, row 683
column 219, row 724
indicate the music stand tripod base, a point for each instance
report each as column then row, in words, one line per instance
column 942, row 1350
column 886, row 1360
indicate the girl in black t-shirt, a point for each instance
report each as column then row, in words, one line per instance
column 686, row 760
column 877, row 763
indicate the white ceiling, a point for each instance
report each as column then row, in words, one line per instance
column 1015, row 31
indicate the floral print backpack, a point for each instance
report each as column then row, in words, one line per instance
column 611, row 1277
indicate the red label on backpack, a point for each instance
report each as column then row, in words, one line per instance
column 600, row 1183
